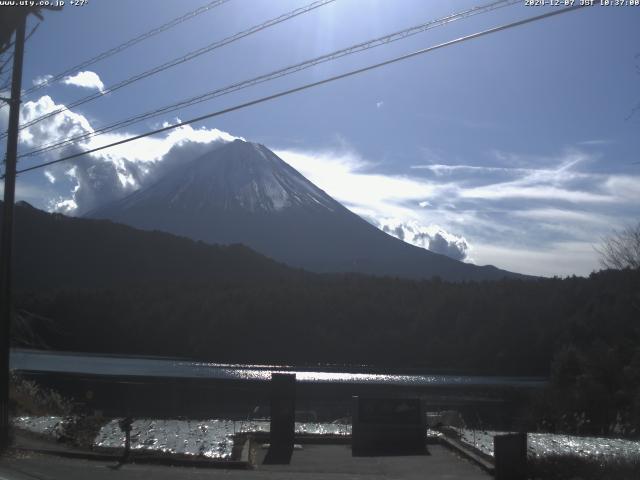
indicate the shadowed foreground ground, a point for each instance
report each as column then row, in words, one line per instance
column 312, row 462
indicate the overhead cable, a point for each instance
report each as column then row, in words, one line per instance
column 369, row 44
column 180, row 60
column 307, row 86
column 129, row 43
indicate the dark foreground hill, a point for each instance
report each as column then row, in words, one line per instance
column 52, row 250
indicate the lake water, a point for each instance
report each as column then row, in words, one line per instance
column 89, row 364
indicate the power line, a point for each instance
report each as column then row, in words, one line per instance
column 10, row 56
column 6, row 84
column 4, row 64
column 399, row 35
column 312, row 85
column 128, row 43
column 180, row 60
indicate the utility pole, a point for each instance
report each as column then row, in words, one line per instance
column 6, row 306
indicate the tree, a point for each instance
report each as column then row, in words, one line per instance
column 621, row 249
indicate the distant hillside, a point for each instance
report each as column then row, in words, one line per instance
column 55, row 251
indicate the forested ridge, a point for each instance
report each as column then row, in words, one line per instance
column 506, row 327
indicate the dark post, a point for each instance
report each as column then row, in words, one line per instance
column 7, row 229
column 510, row 453
column 388, row 426
column 283, row 417
column 125, row 426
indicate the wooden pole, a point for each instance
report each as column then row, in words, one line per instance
column 6, row 242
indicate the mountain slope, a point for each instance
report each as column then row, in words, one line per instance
column 54, row 251
column 243, row 193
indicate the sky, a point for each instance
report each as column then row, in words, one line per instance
column 518, row 149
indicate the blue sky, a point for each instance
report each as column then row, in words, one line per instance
column 517, row 147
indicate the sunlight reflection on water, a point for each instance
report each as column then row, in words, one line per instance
column 42, row 361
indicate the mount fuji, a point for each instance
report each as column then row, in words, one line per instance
column 242, row 192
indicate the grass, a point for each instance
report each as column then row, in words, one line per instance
column 26, row 397
column 82, row 430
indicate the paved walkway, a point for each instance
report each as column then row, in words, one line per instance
column 311, row 463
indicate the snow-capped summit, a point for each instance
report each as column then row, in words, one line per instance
column 240, row 176
column 236, row 176
column 241, row 192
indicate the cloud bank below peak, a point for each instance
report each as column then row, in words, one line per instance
column 430, row 237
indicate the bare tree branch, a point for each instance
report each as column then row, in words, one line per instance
column 621, row 249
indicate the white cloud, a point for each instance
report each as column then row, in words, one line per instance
column 596, row 142
column 545, row 183
column 559, row 215
column 104, row 176
column 54, row 128
column 67, row 206
column 514, row 190
column 42, row 79
column 624, row 187
column 431, row 237
column 50, row 176
column 345, row 176
column 562, row 182
column 153, row 149
column 86, row 79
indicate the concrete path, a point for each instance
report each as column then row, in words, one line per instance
column 311, row 463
